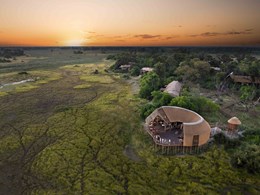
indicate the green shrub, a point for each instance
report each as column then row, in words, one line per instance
column 247, row 156
column 197, row 104
column 228, row 143
column 146, row 110
column 252, row 136
column 161, row 98
column 149, row 83
column 135, row 71
column 184, row 102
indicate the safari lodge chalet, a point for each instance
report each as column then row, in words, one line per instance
column 177, row 130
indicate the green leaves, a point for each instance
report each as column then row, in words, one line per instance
column 247, row 93
column 247, row 156
column 193, row 70
column 149, row 82
column 197, row 104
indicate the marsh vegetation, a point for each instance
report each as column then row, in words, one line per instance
column 76, row 132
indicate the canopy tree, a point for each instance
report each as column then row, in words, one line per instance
column 149, row 83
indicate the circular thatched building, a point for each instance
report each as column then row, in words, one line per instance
column 172, row 126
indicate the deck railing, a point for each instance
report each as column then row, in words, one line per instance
column 172, row 148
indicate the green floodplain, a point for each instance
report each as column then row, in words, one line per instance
column 76, row 129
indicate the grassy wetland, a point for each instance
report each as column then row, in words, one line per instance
column 76, row 129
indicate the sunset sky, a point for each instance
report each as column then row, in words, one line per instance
column 129, row 22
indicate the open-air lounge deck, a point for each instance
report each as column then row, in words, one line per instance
column 177, row 130
column 168, row 136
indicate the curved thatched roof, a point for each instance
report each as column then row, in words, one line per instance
column 193, row 123
column 234, row 121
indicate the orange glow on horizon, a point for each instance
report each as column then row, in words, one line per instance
column 129, row 22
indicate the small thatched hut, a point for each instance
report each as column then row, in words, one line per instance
column 125, row 67
column 146, row 69
column 233, row 124
column 173, row 88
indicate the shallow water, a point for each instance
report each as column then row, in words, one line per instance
column 16, row 83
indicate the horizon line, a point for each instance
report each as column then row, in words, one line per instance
column 124, row 46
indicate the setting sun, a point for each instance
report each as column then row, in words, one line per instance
column 74, row 42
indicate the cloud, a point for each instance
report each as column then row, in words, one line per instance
column 213, row 34
column 170, row 37
column 94, row 36
column 245, row 32
column 158, row 37
column 195, row 35
column 147, row 36
column 210, row 34
column 131, row 38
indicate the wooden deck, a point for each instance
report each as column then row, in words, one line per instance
column 170, row 142
column 171, row 137
column 165, row 137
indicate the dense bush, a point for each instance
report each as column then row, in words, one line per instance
column 251, row 136
column 184, row 102
column 228, row 143
column 161, row 98
column 146, row 110
column 197, row 104
column 135, row 71
column 248, row 93
column 194, row 70
column 122, row 58
column 247, row 156
column 200, row 105
column 149, row 82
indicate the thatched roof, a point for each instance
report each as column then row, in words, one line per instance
column 147, row 69
column 125, row 66
column 193, row 123
column 234, row 121
column 173, row 88
column 244, row 79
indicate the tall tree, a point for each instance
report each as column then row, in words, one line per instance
column 160, row 70
column 149, row 83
